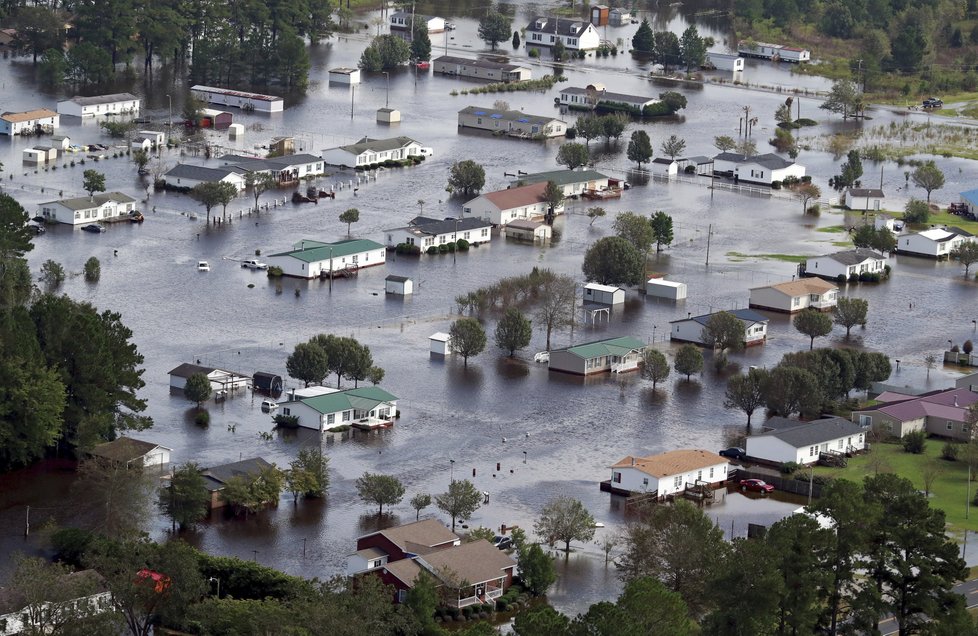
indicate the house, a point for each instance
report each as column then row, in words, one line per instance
column 576, row 35
column 619, row 17
column 943, row 413
column 969, row 382
column 864, row 199
column 503, row 206
column 844, row 265
column 666, row 473
column 615, row 355
column 934, row 243
column 213, row 118
column 311, row 259
column 603, row 294
column 255, row 102
column 724, row 61
column 664, row 167
column 29, row 122
column 369, row 152
column 690, row 329
column 970, row 200
column 98, row 105
column 401, row 20
column 148, row 139
column 217, row 477
column 596, row 95
column 574, row 182
column 599, row 15
column 803, row 442
column 529, row 231
column 480, row 69
column 8, row 38
column 287, row 170
column 775, row 52
column 668, row 289
column 426, row 232
column 344, row 75
column 184, row 176
column 221, row 379
column 365, row 407
column 130, row 452
column 764, row 169
column 514, row 123
column 795, row 295
column 400, row 542
column 74, row 597
column 105, row 206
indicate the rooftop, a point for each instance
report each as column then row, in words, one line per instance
column 611, row 347
column 518, row 196
column 103, row 99
column 311, row 251
column 866, row 192
column 246, row 467
column 200, row 173
column 971, row 196
column 363, row 398
column 951, row 404
column 378, row 145
column 603, row 94
column 232, row 93
column 433, row 227
column 801, row 286
column 749, row 316
column 769, row 160
column 473, row 562
column 124, row 449
column 418, row 537
column 479, row 63
column 672, row 462
column 562, row 26
column 815, row 432
column 561, row 177
column 186, row 370
column 87, row 203
column 506, row 115
column 856, row 256
column 28, row 115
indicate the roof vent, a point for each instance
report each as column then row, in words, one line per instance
column 955, row 400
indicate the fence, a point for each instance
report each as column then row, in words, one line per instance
column 784, row 484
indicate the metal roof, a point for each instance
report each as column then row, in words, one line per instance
column 611, row 347
column 816, row 432
column 312, row 251
column 749, row 316
column 103, row 99
column 768, row 160
column 378, row 145
column 199, row 173
column 362, row 398
column 87, row 203
column 561, row 177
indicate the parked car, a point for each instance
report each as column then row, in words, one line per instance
column 503, row 543
column 94, row 228
column 268, row 405
column 543, row 356
column 136, row 217
column 254, row 263
column 203, row 266
column 35, row 227
column 933, row 102
column 733, row 453
column 756, row 485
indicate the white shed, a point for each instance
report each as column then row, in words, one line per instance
column 664, row 167
column 33, row 155
column 603, row 294
column 235, row 131
column 141, row 143
column 344, row 75
column 61, row 142
column 398, row 285
column 439, row 343
column 660, row 288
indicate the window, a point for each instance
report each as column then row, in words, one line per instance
column 840, row 443
column 699, row 475
column 950, row 425
column 616, row 477
column 677, row 482
column 865, row 420
column 485, row 231
column 645, row 482
column 401, row 596
column 811, row 451
column 331, row 419
column 465, row 235
column 711, row 472
column 442, row 238
column 286, row 411
column 795, row 301
column 346, row 416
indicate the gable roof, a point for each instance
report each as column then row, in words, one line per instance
column 200, row 173
column 854, row 257
column 939, row 235
column 433, row 227
column 473, row 562
column 800, row 287
column 103, row 99
column 518, row 196
column 672, row 462
column 559, row 26
column 377, row 145
column 507, row 115
column 769, row 160
column 611, row 347
column 186, row 370
column 749, row 316
column 28, row 115
column 246, row 467
column 418, row 537
column 125, row 449
column 362, row 398
column 561, row 177
column 478, row 63
column 865, row 192
column 971, row 196
column 815, row 432
column 311, row 251
column 404, row 570
column 604, row 94
column 87, row 203
column 951, row 404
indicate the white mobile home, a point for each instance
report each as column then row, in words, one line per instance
column 105, row 206
column 661, row 288
column 614, row 355
column 427, row 232
column 34, row 155
column 690, row 329
column 514, row 123
column 401, row 20
column 775, row 52
column 574, row 182
column 503, row 206
column 603, row 294
column 935, row 243
column 29, row 122
column 664, row 167
column 98, row 105
column 803, row 442
column 795, row 295
column 311, row 259
column 595, row 95
column 129, row 451
column 239, row 99
column 370, row 152
column 529, row 231
column 846, row 264
column 667, row 473
column 480, row 69
column 764, row 169
column 864, row 199
column 368, row 406
column 185, row 176
column 725, row 61
column 220, row 379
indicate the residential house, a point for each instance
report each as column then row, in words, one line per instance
column 98, row 105
column 844, row 265
column 775, row 52
column 795, row 295
column 690, row 329
column 619, row 17
column 105, row 206
column 364, row 407
column 370, row 152
column 398, row 543
column 529, row 231
column 969, row 382
column 426, row 232
column 864, row 199
column 664, row 167
column 8, row 38
column 312, row 259
column 185, row 176
column 724, row 61
column 943, row 413
column 287, row 170
column 764, row 169
column 131, row 452
column 666, row 473
column 29, row 122
column 596, row 95
column 91, row 597
column 789, row 440
column 217, row 477
column 599, row 294
column 574, row 182
column 221, row 379
column 668, row 289
column 970, row 199
column 480, row 69
column 401, row 20
column 514, row 123
column 225, row 97
column 503, row 206
column 934, row 243
column 614, row 355
column 576, row 35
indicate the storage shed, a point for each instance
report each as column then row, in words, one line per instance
column 440, row 343
column 33, row 155
column 603, row 294
column 343, row 75
column 48, row 153
column 235, row 131
column 398, row 285
column 660, row 288
column 526, row 230
column 267, row 382
column 213, row 118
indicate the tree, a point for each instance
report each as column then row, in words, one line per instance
column 15, row 237
column 639, row 148
column 559, row 50
column 197, row 388
column 667, row 49
column 419, row 502
column 813, row 324
column 636, row 229
column 613, row 261
column 140, row 158
column 208, row 194
column 422, row 600
column 724, row 331
column 466, row 177
column 376, row 375
column 516, row 39
column 689, row 360
column 420, row 41
column 380, row 489
column 746, row 392
column 112, row 497
column 967, row 254
column 32, row 398
column 38, row 28
column 513, row 331
column 746, row 147
column 672, row 100
column 909, row 47
column 692, row 48
column 343, row 354
column 807, row 192
column 673, row 146
column 467, row 337
column 844, row 97
column 259, row 184
column 226, row 192
column 595, row 213
column 185, row 500
column 536, row 569
column 792, row 390
column 93, row 181
column 541, row 620
column 852, row 171
column 644, row 39
column 733, row 582
column 573, row 155
column 613, row 126
column 249, row 493
column 661, row 224
column 350, row 217
column 385, row 52
column 850, row 312
column 800, row 547
column 553, row 196
column 556, row 305
column 655, row 367
column 313, row 468
column 783, row 114
column 52, row 273
column 53, row 67
column 494, row 28
column 460, row 501
column 724, row 143
column 565, row 519
column 588, row 127
column 359, row 364
column 307, row 363
column 929, row 177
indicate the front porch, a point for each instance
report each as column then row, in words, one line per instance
column 476, row 594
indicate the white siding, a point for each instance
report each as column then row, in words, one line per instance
column 634, row 480
column 292, row 266
column 773, row 449
column 424, row 241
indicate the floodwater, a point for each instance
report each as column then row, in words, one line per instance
column 550, row 434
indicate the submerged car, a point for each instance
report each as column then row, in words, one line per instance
column 756, row 485
column 95, row 228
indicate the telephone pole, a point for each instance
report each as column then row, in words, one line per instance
column 709, row 235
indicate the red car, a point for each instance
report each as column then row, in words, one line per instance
column 757, row 485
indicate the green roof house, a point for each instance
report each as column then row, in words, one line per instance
column 615, row 355
column 313, row 259
column 322, row 408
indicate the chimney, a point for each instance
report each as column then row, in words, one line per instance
column 293, row 394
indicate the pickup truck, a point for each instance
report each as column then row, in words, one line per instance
column 254, row 263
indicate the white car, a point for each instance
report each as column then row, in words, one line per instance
column 203, row 266
column 254, row 263
column 268, row 405
column 543, row 356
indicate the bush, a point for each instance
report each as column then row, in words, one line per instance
column 955, row 349
column 287, row 421
column 274, row 271
column 203, row 418
column 93, row 270
column 806, row 179
column 462, row 245
column 968, row 347
column 914, row 442
column 804, row 476
column 949, row 452
column 804, row 121
column 775, row 185
column 534, row 53
column 432, row 250
column 789, row 468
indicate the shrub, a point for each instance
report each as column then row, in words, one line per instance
column 462, row 245
column 806, row 179
column 789, row 468
column 841, row 278
column 432, row 250
column 534, row 53
column 203, row 418
column 451, row 247
column 853, row 278
column 968, row 347
column 93, row 270
column 274, row 271
column 690, row 169
column 571, row 133
column 914, row 442
column 775, row 185
column 814, row 210
column 949, row 451
column 955, row 349
column 804, row 121
column 287, row 421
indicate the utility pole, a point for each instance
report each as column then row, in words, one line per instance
column 353, row 92
column 709, row 235
column 331, row 270
column 27, row 528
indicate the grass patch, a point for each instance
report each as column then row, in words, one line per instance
column 949, row 491
column 834, row 229
column 945, row 218
column 787, row 258
column 842, row 243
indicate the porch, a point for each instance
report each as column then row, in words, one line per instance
column 480, row 593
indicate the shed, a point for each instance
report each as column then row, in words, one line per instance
column 60, row 142
column 388, row 115
column 141, row 143
column 439, row 343
column 343, row 75
column 213, row 118
column 235, row 131
column 660, row 288
column 398, row 285
column 33, row 155
column 599, row 15
column 526, row 230
column 603, row 294
column 267, row 382
column 128, row 451
column 50, row 154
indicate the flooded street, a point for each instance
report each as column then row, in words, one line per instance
column 561, row 433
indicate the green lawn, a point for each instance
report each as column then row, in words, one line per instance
column 834, row 229
column 949, row 491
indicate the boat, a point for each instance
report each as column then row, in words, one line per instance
column 203, row 266
column 600, row 195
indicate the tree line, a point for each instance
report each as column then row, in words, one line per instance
column 324, row 354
